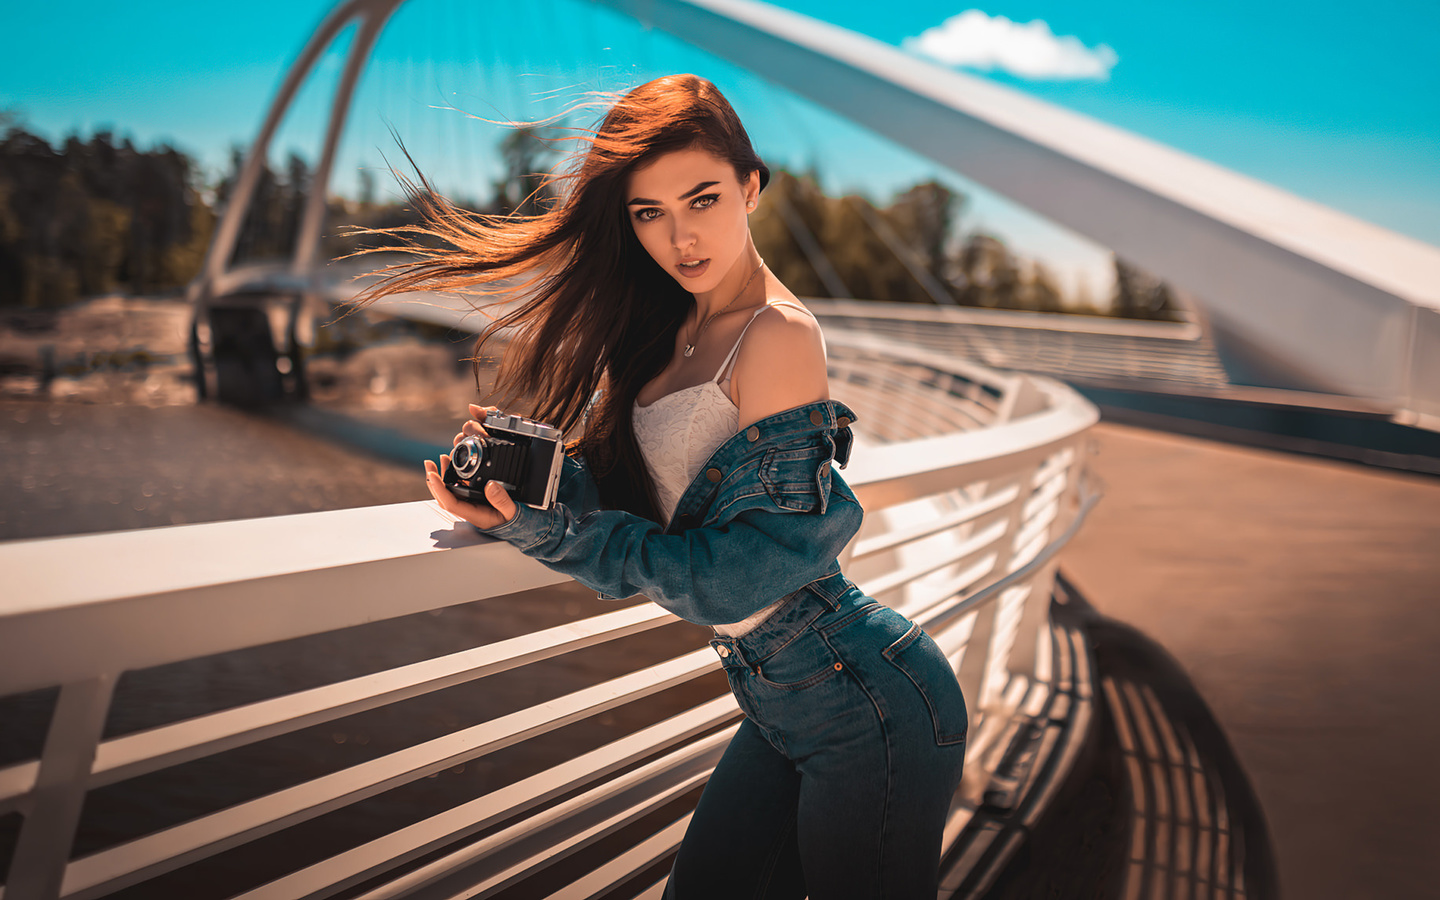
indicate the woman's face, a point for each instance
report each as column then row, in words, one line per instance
column 689, row 210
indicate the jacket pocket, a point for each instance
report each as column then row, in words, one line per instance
column 798, row 478
column 916, row 655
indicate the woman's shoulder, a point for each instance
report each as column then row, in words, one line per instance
column 785, row 319
column 786, row 326
column 781, row 363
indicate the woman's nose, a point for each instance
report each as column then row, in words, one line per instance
column 682, row 236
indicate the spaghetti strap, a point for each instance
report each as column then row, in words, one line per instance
column 734, row 351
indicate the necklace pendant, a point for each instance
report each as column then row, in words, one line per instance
column 689, row 349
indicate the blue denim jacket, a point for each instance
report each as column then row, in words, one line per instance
column 765, row 516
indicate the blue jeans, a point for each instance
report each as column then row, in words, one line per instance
column 838, row 782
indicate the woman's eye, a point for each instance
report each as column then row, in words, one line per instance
column 647, row 214
column 704, row 201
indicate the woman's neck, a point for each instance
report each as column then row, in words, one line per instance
column 742, row 278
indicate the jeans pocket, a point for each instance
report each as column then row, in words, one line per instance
column 802, row 663
column 916, row 655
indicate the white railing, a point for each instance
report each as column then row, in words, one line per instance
column 972, row 480
column 1077, row 348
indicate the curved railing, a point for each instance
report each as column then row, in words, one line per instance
column 971, row 480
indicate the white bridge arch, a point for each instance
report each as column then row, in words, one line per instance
column 1320, row 301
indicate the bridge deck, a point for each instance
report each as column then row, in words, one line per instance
column 1299, row 594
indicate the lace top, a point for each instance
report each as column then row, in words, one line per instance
column 681, row 430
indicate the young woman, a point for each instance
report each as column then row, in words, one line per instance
column 703, row 480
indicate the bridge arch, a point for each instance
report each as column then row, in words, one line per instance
column 1314, row 299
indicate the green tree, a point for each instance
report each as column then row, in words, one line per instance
column 925, row 217
column 94, row 215
column 1141, row 295
column 526, row 151
column 991, row 276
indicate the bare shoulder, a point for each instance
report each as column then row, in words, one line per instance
column 784, row 320
column 782, row 339
column 781, row 364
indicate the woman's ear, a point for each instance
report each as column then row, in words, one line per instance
column 752, row 190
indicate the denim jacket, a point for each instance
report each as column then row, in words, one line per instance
column 764, row 517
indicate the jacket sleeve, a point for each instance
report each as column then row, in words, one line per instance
column 710, row 575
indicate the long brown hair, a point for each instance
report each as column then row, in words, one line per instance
column 592, row 307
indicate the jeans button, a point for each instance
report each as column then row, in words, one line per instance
column 712, row 474
column 723, row 650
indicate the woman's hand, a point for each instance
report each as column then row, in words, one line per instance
column 499, row 509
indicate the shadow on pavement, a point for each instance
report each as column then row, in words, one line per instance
column 1157, row 805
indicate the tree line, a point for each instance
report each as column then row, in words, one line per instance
column 912, row 250
column 92, row 216
column 97, row 215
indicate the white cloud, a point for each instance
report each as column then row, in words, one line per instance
column 978, row 41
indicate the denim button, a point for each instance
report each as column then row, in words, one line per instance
column 843, row 421
column 712, row 474
column 752, row 434
column 723, row 650
column 816, row 417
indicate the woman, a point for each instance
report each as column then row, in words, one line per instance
column 704, row 481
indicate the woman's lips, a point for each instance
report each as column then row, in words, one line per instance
column 693, row 271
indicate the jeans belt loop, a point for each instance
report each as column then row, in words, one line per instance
column 815, row 588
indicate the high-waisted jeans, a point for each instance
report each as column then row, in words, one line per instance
column 839, row 779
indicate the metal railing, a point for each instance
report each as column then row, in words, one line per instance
column 971, row 480
column 1067, row 346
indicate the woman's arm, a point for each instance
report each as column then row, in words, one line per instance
column 717, row 573
column 710, row 575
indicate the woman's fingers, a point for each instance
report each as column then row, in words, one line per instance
column 501, row 508
column 501, row 500
column 471, row 427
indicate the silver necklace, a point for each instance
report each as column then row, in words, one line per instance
column 690, row 346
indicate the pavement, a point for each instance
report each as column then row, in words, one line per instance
column 1300, row 595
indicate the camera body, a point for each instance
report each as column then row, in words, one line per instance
column 523, row 455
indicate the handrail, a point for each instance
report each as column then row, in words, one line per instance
column 961, row 532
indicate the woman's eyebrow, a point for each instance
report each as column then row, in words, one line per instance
column 697, row 189
column 645, row 201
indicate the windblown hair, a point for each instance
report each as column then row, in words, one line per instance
column 591, row 307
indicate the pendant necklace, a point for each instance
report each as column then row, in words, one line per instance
column 690, row 347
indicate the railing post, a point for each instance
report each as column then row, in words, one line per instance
column 999, row 641
column 1032, row 642
column 53, row 811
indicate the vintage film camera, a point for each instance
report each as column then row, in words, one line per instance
column 524, row 456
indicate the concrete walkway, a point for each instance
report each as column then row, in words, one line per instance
column 1303, row 598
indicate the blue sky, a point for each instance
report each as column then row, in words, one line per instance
column 1334, row 102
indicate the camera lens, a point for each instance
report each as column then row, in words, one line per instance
column 467, row 456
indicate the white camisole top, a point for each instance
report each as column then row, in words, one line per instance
column 679, row 432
